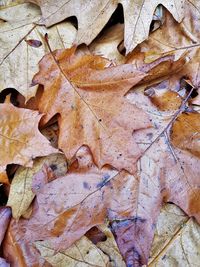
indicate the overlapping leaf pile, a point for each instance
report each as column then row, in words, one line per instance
column 119, row 134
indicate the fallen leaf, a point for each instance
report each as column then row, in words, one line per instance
column 21, row 194
column 5, row 216
column 93, row 16
column 20, row 138
column 83, row 89
column 185, row 133
column 82, row 254
column 170, row 222
column 106, row 45
column 173, row 39
column 109, row 247
column 182, row 247
column 19, row 60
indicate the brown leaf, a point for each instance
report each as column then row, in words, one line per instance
column 93, row 16
column 172, row 40
column 20, row 138
column 83, row 89
column 185, row 133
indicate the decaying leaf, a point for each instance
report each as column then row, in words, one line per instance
column 19, row 60
column 82, row 254
column 92, row 16
column 21, row 194
column 179, row 240
column 20, row 138
column 105, row 130
column 83, row 89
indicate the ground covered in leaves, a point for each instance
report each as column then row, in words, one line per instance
column 99, row 133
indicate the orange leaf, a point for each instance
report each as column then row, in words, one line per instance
column 89, row 96
column 20, row 138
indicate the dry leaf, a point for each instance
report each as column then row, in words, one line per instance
column 20, row 138
column 83, row 89
column 172, row 39
column 185, row 133
column 93, row 16
column 82, row 254
column 19, row 60
column 109, row 247
column 175, row 234
column 170, row 222
column 21, row 194
column 106, row 45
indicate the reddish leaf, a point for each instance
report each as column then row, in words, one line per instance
column 5, row 216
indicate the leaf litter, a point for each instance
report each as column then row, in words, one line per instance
column 128, row 127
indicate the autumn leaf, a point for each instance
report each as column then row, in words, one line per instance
column 93, row 16
column 21, row 194
column 176, row 240
column 82, row 253
column 20, row 138
column 83, row 88
column 128, row 151
column 172, row 39
column 5, row 216
column 130, row 203
column 19, row 60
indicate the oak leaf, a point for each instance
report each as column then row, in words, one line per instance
column 20, row 138
column 82, row 253
column 19, row 60
column 93, row 16
column 21, row 194
column 89, row 97
column 176, row 242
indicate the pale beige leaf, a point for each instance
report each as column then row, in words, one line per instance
column 109, row 247
column 182, row 247
column 19, row 60
column 82, row 254
column 107, row 44
column 93, row 15
column 21, row 195
column 170, row 221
